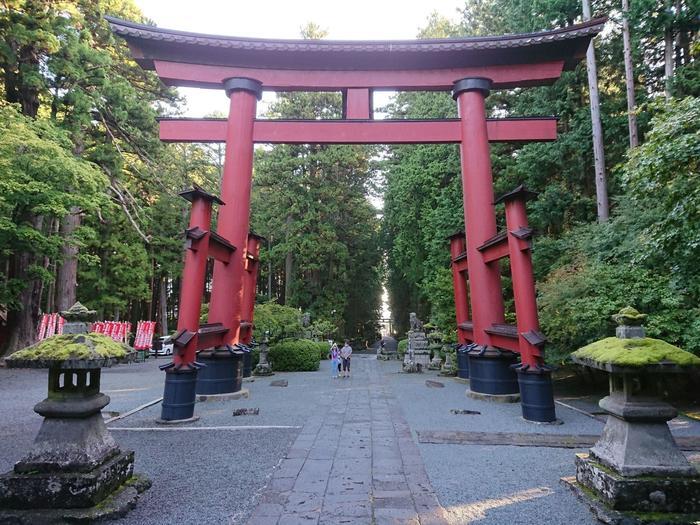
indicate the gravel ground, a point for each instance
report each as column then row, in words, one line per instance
column 488, row 485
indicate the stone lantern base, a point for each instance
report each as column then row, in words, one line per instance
column 645, row 494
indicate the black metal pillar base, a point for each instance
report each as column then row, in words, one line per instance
column 179, row 392
column 247, row 364
column 222, row 373
column 536, row 394
column 463, row 361
column 490, row 371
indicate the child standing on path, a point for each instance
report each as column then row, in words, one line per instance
column 335, row 356
column 345, row 354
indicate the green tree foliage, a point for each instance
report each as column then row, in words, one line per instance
column 578, row 299
column 646, row 256
column 663, row 177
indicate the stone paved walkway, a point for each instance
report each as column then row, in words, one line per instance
column 355, row 462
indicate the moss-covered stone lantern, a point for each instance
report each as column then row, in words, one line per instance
column 636, row 465
column 74, row 470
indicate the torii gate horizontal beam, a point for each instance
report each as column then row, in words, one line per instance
column 502, row 76
column 360, row 131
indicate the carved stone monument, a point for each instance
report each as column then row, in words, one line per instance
column 435, row 339
column 418, row 354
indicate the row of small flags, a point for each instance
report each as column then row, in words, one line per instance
column 52, row 324
column 117, row 330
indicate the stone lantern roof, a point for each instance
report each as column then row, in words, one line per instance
column 73, row 351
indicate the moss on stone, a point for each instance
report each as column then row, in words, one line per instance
column 635, row 352
column 73, row 346
column 629, row 316
column 78, row 312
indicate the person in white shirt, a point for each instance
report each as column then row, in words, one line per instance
column 345, row 354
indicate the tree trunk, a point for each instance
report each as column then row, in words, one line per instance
column 163, row 305
column 668, row 56
column 629, row 77
column 22, row 323
column 67, row 275
column 601, row 186
column 152, row 287
column 269, row 269
column 679, row 37
column 288, row 268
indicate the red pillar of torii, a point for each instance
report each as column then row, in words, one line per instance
column 234, row 218
column 470, row 67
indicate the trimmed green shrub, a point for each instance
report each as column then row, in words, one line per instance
column 295, row 355
column 402, row 348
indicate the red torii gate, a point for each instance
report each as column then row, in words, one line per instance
column 469, row 68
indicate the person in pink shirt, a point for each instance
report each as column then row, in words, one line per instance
column 335, row 357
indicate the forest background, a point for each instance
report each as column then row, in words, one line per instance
column 89, row 207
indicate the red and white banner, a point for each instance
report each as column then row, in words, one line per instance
column 144, row 335
column 50, row 324
column 117, row 330
column 42, row 327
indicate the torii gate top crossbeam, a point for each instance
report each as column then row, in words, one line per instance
column 192, row 59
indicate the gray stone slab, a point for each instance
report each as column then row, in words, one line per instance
column 309, row 518
column 521, row 439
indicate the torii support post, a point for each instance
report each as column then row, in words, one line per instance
column 250, row 281
column 489, row 366
column 181, row 374
column 458, row 255
column 534, row 377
